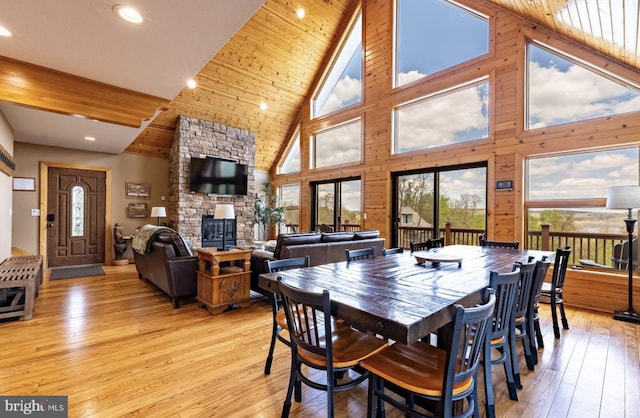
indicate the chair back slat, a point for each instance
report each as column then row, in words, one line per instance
column 560, row 264
column 389, row 251
column 525, row 283
column 499, row 244
column 505, row 286
column 360, row 254
column 274, row 266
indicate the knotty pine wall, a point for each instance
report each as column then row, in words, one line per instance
column 505, row 149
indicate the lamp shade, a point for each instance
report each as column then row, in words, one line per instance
column 158, row 212
column 224, row 211
column 623, row 197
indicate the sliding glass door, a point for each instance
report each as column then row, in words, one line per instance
column 337, row 205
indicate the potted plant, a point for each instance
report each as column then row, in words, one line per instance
column 266, row 211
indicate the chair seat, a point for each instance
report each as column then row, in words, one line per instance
column 418, row 367
column 349, row 347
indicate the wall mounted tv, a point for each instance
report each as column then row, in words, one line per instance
column 214, row 175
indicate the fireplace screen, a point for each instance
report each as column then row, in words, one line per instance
column 218, row 232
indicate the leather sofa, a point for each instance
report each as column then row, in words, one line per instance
column 169, row 265
column 322, row 248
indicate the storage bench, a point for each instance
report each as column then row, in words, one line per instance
column 20, row 277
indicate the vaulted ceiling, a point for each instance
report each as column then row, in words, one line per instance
column 240, row 56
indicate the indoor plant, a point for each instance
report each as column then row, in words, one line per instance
column 266, row 211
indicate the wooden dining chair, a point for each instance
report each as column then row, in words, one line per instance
column 505, row 286
column 428, row 372
column 533, row 318
column 279, row 319
column 321, row 344
column 389, row 251
column 520, row 325
column 552, row 292
column 427, row 245
column 360, row 254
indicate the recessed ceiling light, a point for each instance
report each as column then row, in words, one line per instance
column 90, row 138
column 4, row 31
column 300, row 13
column 263, row 106
column 127, row 13
column 191, row 83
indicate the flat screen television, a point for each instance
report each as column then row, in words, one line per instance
column 212, row 175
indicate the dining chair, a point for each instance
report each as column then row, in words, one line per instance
column 499, row 244
column 360, row 254
column 520, row 325
column 321, row 344
column 427, row 245
column 505, row 286
column 533, row 318
column 279, row 319
column 389, row 251
column 431, row 373
column 552, row 292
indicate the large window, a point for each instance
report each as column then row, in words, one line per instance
column 339, row 144
column 433, row 35
column 289, row 198
column 452, row 117
column 561, row 89
column 343, row 85
column 567, row 194
column 426, row 200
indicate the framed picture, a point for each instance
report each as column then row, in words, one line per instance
column 137, row 210
column 137, row 190
column 24, row 183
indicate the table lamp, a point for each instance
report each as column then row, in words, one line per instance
column 158, row 212
column 626, row 197
column 224, row 212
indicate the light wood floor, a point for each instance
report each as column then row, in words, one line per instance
column 114, row 345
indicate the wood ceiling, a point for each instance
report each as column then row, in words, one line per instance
column 275, row 57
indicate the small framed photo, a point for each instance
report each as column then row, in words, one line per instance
column 24, row 183
column 137, row 190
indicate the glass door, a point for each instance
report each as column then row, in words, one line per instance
column 337, row 205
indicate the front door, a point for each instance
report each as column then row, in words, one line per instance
column 75, row 216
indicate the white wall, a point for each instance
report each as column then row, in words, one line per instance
column 6, row 140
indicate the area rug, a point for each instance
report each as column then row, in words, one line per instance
column 72, row 272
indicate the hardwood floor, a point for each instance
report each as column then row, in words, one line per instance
column 115, row 346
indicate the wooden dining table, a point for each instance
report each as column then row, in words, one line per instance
column 403, row 296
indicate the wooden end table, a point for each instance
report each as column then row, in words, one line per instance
column 222, row 287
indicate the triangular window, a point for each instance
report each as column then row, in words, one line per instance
column 343, row 84
column 291, row 162
column 564, row 90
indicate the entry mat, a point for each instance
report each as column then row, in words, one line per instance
column 77, row 271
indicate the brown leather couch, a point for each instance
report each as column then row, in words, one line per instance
column 169, row 265
column 322, row 248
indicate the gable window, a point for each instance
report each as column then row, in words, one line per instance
column 289, row 198
column 447, row 118
column 433, row 35
column 343, row 84
column 291, row 162
column 563, row 90
column 339, row 144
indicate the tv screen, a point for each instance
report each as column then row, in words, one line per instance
column 213, row 175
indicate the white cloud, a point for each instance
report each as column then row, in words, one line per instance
column 347, row 90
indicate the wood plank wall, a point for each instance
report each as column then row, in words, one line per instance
column 508, row 143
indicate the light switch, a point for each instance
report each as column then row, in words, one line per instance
column 35, row 212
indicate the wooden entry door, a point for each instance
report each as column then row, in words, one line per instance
column 75, row 216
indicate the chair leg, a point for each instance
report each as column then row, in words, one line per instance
column 539, row 339
column 371, row 393
column 490, row 409
column 508, row 371
column 554, row 316
column 293, row 377
column 563, row 316
column 513, row 358
column 526, row 345
column 272, row 346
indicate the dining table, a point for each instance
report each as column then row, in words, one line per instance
column 405, row 296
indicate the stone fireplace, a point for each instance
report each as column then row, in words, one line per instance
column 218, row 233
column 199, row 138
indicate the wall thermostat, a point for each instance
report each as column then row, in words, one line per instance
column 504, row 184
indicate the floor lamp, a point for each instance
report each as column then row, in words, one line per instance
column 626, row 197
column 224, row 212
column 158, row 212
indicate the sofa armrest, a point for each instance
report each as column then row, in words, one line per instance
column 183, row 275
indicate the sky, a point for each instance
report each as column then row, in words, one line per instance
column 560, row 91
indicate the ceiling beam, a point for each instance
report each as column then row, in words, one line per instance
column 45, row 89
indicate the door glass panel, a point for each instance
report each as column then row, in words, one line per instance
column 77, row 211
column 463, row 198
column 290, row 199
column 326, row 204
column 415, row 208
column 350, row 204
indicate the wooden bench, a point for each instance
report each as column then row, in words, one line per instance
column 20, row 277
